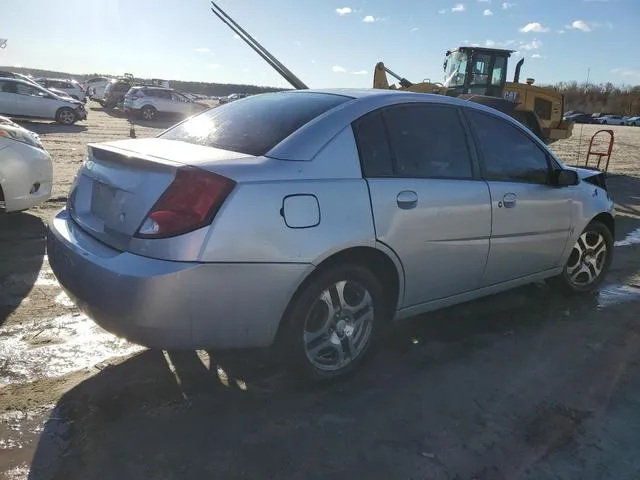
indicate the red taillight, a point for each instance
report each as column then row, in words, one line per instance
column 190, row 202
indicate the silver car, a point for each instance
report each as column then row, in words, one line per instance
column 307, row 220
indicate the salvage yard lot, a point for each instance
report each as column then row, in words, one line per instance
column 528, row 384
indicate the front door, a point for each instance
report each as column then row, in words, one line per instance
column 531, row 218
column 428, row 204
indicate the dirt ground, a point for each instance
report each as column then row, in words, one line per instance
column 524, row 385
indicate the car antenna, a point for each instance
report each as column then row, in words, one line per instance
column 287, row 74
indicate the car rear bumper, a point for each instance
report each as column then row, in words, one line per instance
column 171, row 305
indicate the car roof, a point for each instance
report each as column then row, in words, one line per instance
column 310, row 138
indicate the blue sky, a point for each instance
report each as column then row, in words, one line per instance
column 326, row 43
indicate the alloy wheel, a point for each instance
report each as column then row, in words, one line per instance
column 339, row 326
column 588, row 259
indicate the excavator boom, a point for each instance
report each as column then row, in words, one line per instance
column 259, row 49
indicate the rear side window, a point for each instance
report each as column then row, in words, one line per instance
column 428, row 141
column 373, row 148
column 256, row 124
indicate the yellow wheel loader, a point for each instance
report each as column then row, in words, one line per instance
column 472, row 73
column 480, row 75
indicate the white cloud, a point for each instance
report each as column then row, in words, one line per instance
column 534, row 45
column 487, row 12
column 360, row 72
column 459, row 7
column 484, row 1
column 441, row 11
column 214, row 65
column 626, row 72
column 338, row 69
column 490, row 43
column 343, row 11
column 536, row 55
column 202, row 50
column 369, row 19
column 506, row 5
column 534, row 27
column 516, row 53
column 414, row 29
column 298, row 43
column 562, row 31
column 580, row 25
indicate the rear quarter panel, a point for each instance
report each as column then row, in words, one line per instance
column 251, row 226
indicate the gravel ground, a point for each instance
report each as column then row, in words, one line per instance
column 523, row 385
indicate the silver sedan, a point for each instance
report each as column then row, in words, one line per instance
column 306, row 220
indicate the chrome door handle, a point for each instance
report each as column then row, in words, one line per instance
column 509, row 200
column 407, row 199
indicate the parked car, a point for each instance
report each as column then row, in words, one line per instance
column 232, row 97
column 72, row 87
column 95, row 87
column 147, row 102
column 578, row 118
column 309, row 219
column 19, row 98
column 632, row 121
column 114, row 92
column 19, row 76
column 610, row 120
column 26, row 171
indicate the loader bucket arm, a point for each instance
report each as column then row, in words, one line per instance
column 259, row 49
column 380, row 77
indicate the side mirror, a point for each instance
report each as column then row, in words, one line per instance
column 565, row 178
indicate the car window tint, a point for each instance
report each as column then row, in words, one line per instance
column 23, row 89
column 508, row 153
column 373, row 147
column 428, row 141
column 256, row 124
column 8, row 87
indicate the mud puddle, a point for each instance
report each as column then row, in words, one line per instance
column 21, row 432
column 617, row 294
column 52, row 347
column 632, row 238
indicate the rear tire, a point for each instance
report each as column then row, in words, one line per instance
column 589, row 261
column 332, row 323
column 148, row 112
column 66, row 116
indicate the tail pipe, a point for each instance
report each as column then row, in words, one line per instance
column 259, row 49
column 516, row 75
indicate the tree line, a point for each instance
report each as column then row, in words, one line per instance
column 600, row 98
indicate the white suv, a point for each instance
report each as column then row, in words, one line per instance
column 148, row 101
column 72, row 87
column 96, row 86
column 19, row 98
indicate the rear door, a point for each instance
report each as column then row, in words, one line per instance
column 530, row 217
column 429, row 205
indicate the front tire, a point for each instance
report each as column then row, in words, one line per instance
column 66, row 116
column 589, row 261
column 332, row 322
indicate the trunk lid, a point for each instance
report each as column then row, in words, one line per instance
column 121, row 181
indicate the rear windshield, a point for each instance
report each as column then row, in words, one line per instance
column 256, row 124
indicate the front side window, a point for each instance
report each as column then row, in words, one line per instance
column 508, row 153
column 428, row 141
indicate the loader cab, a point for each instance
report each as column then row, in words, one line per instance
column 476, row 70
